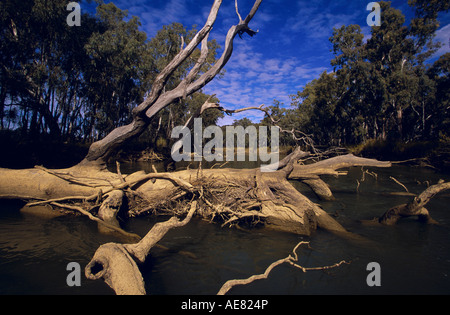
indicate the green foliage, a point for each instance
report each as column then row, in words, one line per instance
column 381, row 88
column 79, row 83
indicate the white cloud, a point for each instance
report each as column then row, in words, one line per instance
column 252, row 80
column 260, row 69
column 443, row 36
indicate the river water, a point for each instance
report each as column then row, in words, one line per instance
column 414, row 258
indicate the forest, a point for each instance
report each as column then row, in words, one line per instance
column 74, row 101
column 74, row 85
column 69, row 85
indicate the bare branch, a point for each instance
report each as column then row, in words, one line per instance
column 297, row 135
column 141, row 249
column 158, row 98
column 159, row 84
column 290, row 259
column 131, row 236
column 395, row 180
column 237, row 10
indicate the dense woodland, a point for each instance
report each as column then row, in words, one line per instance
column 76, row 84
column 61, row 84
column 89, row 87
column 382, row 87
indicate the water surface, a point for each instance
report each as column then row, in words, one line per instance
column 414, row 257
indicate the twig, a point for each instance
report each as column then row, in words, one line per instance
column 399, row 183
column 94, row 218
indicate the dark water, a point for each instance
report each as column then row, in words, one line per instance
column 414, row 257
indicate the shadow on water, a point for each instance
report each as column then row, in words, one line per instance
column 414, row 257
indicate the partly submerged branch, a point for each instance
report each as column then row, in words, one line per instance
column 115, row 264
column 414, row 208
column 332, row 165
column 291, row 259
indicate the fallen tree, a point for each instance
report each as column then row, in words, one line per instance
column 225, row 196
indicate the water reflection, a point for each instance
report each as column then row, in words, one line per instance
column 414, row 258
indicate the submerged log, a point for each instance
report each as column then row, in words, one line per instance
column 228, row 196
column 414, row 208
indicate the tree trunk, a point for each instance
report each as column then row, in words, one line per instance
column 229, row 196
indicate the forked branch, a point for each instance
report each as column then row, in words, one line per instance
column 157, row 99
column 291, row 259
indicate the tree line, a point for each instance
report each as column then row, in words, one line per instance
column 79, row 83
column 383, row 87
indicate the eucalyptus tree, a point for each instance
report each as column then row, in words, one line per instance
column 228, row 196
column 381, row 86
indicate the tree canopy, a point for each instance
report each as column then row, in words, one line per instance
column 381, row 87
column 79, row 83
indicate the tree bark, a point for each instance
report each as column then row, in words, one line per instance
column 414, row 208
column 115, row 264
column 100, row 151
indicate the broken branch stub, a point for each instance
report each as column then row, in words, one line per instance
column 114, row 264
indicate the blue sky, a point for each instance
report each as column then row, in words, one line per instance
column 291, row 48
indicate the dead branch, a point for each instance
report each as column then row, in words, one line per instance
column 395, row 180
column 331, row 165
column 159, row 98
column 168, row 176
column 291, row 259
column 114, row 263
column 131, row 236
column 141, row 249
column 415, row 207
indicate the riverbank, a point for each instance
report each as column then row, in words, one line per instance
column 19, row 151
column 25, row 152
column 434, row 154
